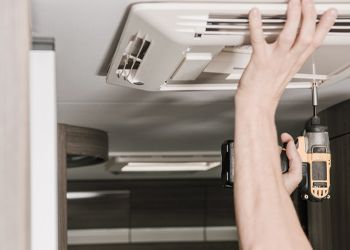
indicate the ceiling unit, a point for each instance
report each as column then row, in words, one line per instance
column 163, row 162
column 169, row 166
column 205, row 46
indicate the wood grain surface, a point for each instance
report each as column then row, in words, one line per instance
column 14, row 125
column 328, row 221
column 151, row 203
column 76, row 141
column 163, row 246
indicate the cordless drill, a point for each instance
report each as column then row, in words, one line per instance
column 314, row 150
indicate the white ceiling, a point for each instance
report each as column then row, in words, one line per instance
column 86, row 30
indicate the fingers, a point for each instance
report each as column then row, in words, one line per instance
column 326, row 22
column 294, row 175
column 291, row 149
column 323, row 27
column 308, row 27
column 256, row 30
column 285, row 137
column 290, row 30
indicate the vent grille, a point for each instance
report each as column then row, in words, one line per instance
column 132, row 57
column 238, row 24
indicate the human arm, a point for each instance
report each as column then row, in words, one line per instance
column 265, row 215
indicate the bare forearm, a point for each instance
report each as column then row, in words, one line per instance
column 258, row 179
column 265, row 214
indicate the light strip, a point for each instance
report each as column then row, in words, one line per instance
column 154, row 235
column 168, row 166
column 237, row 74
column 81, row 195
column 222, row 86
column 165, row 153
column 98, row 236
column 88, row 195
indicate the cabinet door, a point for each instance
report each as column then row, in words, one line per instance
column 170, row 206
column 98, row 209
column 220, row 211
column 162, row 246
column 329, row 220
column 340, row 191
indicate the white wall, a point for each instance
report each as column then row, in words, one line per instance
column 43, row 147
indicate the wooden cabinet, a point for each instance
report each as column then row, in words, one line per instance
column 167, row 206
column 77, row 146
column 104, row 209
column 162, row 246
column 150, row 203
column 219, row 206
column 328, row 222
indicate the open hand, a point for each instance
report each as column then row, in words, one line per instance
column 273, row 65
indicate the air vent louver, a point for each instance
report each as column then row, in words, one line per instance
column 236, row 25
column 132, row 57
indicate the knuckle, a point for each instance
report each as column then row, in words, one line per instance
column 286, row 39
column 298, row 178
column 316, row 44
column 306, row 40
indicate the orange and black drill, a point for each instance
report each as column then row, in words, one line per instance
column 314, row 150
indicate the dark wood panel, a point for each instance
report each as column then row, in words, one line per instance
column 328, row 221
column 167, row 206
column 126, row 184
column 340, row 201
column 87, row 141
column 337, row 118
column 320, row 225
column 91, row 146
column 166, row 202
column 62, row 188
column 85, row 146
column 162, row 246
column 219, row 210
column 108, row 210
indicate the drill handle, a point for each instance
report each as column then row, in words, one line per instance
column 284, row 161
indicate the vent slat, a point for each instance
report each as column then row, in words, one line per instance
column 132, row 57
column 246, row 32
column 245, row 20
column 268, row 27
column 231, row 18
column 238, row 24
column 240, row 27
column 218, row 27
column 228, row 25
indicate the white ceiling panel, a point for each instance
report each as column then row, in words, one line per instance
column 86, row 32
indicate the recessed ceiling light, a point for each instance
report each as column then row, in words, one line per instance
column 81, row 195
column 168, row 166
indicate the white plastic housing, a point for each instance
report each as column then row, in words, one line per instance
column 206, row 46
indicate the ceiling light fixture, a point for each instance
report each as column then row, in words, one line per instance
column 81, row 195
column 168, row 166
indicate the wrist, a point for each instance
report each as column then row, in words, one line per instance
column 255, row 104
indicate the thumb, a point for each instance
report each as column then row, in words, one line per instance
column 294, row 175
